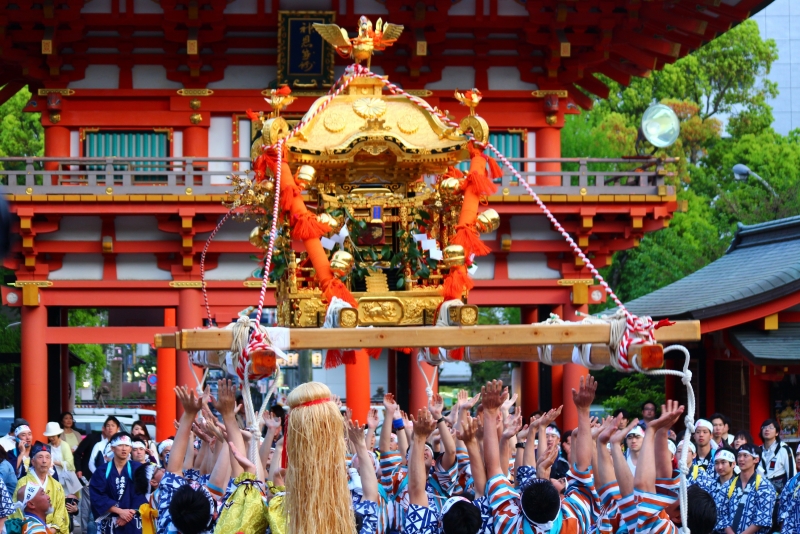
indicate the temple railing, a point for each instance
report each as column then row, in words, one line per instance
column 210, row 175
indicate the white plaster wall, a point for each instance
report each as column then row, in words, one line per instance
column 220, row 145
column 74, row 143
column 464, row 7
column 244, row 143
column 508, row 79
column 485, row 267
column 97, row 6
column 232, row 267
column 146, row 6
column 454, row 78
column 491, row 236
column 242, row 7
column 79, row 267
column 532, row 227
column 75, row 228
column 530, row 149
column 140, row 267
column 98, row 77
column 530, row 266
column 140, row 228
column 152, row 77
column 230, row 231
column 246, row 77
column 177, row 143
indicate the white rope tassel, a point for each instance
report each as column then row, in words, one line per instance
column 251, row 423
column 686, row 377
column 428, row 382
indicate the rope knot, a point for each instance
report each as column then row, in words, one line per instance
column 687, row 377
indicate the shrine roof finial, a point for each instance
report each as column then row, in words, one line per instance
column 362, row 46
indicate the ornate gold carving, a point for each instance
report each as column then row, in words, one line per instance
column 377, row 282
column 369, row 108
column 335, row 121
column 194, row 104
column 274, row 130
column 196, row 118
column 409, row 123
column 186, row 284
column 469, row 315
column 35, row 283
column 374, row 148
column 348, row 318
column 379, row 311
column 195, row 92
column 65, row 92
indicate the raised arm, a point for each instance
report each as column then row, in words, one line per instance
column 493, row 396
column 645, row 478
column 467, row 434
column 273, row 429
column 621, row 469
column 417, row 473
column 390, row 408
column 583, row 399
column 402, row 434
column 369, row 482
column 604, row 469
column 372, row 424
column 436, row 406
column 663, row 455
column 221, row 472
column 508, row 439
column 191, row 405
column 226, row 405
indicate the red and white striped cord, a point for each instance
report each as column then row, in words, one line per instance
column 203, row 261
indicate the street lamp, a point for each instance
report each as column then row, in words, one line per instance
column 742, row 172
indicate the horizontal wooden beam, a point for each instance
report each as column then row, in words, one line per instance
column 649, row 357
column 473, row 336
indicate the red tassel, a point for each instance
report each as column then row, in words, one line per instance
column 480, row 183
column 336, row 288
column 468, row 238
column 306, row 226
column 374, row 353
column 456, row 354
column 494, row 169
column 287, row 198
column 333, row 358
column 456, row 282
column 253, row 116
column 349, row 356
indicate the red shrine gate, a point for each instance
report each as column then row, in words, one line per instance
column 143, row 107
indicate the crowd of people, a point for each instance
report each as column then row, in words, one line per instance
column 478, row 468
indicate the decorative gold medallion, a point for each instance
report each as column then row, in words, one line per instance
column 334, row 121
column 369, row 108
column 348, row 318
column 409, row 124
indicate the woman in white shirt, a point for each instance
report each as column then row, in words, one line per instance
column 61, row 455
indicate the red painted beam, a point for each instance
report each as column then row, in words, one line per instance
column 58, row 335
column 750, row 314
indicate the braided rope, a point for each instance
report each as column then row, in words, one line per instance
column 203, row 261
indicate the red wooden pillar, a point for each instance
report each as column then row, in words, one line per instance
column 572, row 375
column 195, row 143
column 759, row 401
column 189, row 315
column 548, row 145
column 711, row 404
column 419, row 397
column 391, row 375
column 166, row 403
column 357, row 387
column 33, row 370
column 530, row 371
column 56, row 145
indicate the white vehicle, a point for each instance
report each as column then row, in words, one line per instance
column 90, row 419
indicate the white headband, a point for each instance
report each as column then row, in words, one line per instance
column 672, row 448
column 725, row 455
column 704, row 423
column 20, row 429
column 450, row 502
column 691, row 446
column 121, row 440
column 164, row 444
column 551, row 430
column 137, row 445
column 31, row 490
column 636, row 431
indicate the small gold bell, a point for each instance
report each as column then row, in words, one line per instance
column 342, row 263
column 257, row 237
column 248, row 197
column 453, row 255
column 450, row 186
column 306, row 174
column 326, row 218
column 488, row 221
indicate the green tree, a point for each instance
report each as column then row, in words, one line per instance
column 21, row 134
column 93, row 355
column 633, row 391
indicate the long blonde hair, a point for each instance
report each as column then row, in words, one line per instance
column 317, row 496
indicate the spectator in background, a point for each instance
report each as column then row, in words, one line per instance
column 705, row 450
column 139, row 430
column 71, row 434
column 751, row 498
column 61, row 455
column 110, row 427
column 721, row 424
column 39, row 475
column 634, row 444
column 649, row 412
column 8, row 442
column 19, row 457
column 742, row 437
column 7, row 472
column 777, row 460
column 623, row 423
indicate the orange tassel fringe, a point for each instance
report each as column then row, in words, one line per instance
column 468, row 238
column 456, row 282
column 480, row 183
column 306, row 226
column 336, row 288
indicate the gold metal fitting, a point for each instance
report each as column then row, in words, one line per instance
column 194, row 104
column 450, row 186
column 196, row 118
column 348, row 318
column 306, row 174
column 257, row 237
column 466, row 315
column 488, row 221
column 328, row 219
column 454, row 255
column 342, row 263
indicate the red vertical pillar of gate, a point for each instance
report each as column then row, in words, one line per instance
column 166, row 405
column 759, row 401
column 34, row 367
column 548, row 145
column 530, row 370
column 357, row 386
column 189, row 315
column 419, row 396
column 56, row 144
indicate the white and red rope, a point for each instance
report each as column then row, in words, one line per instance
column 203, row 262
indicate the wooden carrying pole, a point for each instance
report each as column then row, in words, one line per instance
column 519, row 340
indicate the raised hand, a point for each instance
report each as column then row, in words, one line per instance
column 550, row 416
column 355, row 433
column 469, row 429
column 336, row 400
column 436, row 405
column 506, row 406
column 522, row 435
column 584, row 397
column 424, row 425
column 619, row 437
column 372, row 419
column 598, row 427
column 546, row 461
column 670, row 413
column 390, row 405
column 608, row 428
column 273, row 422
column 511, row 426
column 245, row 462
column 493, row 396
column 226, row 397
column 189, row 400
